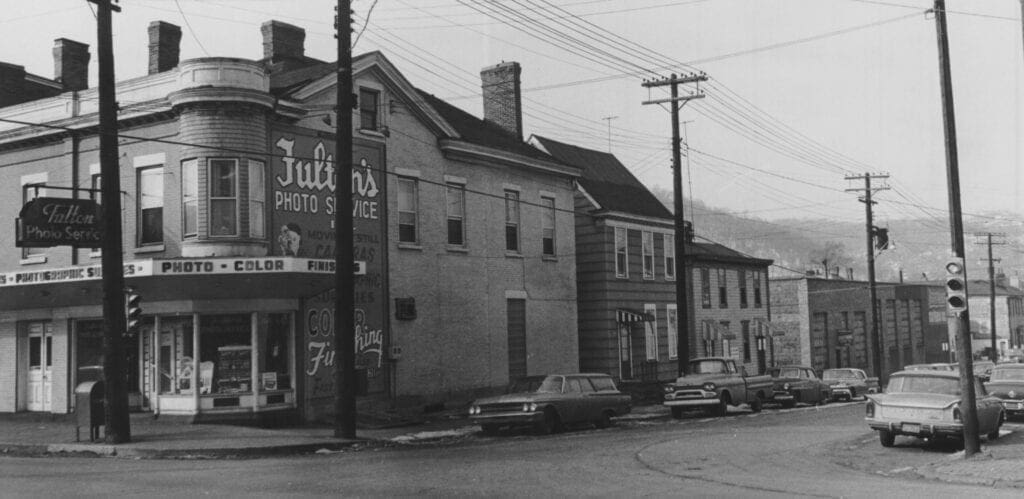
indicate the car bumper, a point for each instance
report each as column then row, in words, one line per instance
column 508, row 418
column 842, row 392
column 783, row 397
column 916, row 429
column 706, row 402
column 1013, row 407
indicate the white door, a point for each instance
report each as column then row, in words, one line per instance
column 40, row 363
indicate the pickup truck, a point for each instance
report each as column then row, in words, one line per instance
column 714, row 383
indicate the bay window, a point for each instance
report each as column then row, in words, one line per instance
column 223, row 197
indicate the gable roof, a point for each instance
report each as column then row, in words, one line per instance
column 607, row 180
column 714, row 252
column 482, row 132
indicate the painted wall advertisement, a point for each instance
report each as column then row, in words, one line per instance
column 303, row 185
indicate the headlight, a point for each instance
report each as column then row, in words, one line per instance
column 529, row 407
column 869, row 410
column 474, row 410
column 669, row 388
column 956, row 413
column 785, row 386
column 1012, row 394
column 710, row 387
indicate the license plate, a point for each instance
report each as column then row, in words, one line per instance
column 911, row 428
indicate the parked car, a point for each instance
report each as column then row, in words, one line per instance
column 548, row 403
column 848, row 383
column 926, row 404
column 1007, row 384
column 937, row 366
column 982, row 369
column 795, row 384
column 714, row 383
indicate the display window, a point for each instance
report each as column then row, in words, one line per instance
column 274, row 369
column 226, row 353
column 89, row 354
column 173, row 352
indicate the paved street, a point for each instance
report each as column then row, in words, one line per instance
column 818, row 452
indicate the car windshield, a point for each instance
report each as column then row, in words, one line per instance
column 708, row 367
column 924, row 384
column 1008, row 374
column 842, row 374
column 548, row 384
column 786, row 372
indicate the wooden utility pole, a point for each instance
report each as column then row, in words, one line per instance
column 958, row 323
column 344, row 292
column 876, row 341
column 994, row 347
column 682, row 304
column 609, row 120
column 117, row 425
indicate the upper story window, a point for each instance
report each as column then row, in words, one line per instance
column 741, row 276
column 511, row 220
column 407, row 210
column 621, row 253
column 257, row 199
column 456, row 202
column 755, row 277
column 223, row 197
column 723, row 290
column 151, row 205
column 669, row 249
column 29, row 191
column 190, row 198
column 547, row 226
column 647, row 253
column 705, row 288
column 368, row 105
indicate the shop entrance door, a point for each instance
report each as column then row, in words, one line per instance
column 40, row 362
column 625, row 352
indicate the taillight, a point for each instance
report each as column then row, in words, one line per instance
column 956, row 414
column 869, row 410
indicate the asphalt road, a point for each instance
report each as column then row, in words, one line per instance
column 811, row 452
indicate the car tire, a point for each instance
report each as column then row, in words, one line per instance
column 677, row 412
column 551, row 423
column 887, row 438
column 605, row 420
column 755, row 405
column 720, row 409
column 999, row 424
column 490, row 429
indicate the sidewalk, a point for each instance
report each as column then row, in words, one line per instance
column 999, row 466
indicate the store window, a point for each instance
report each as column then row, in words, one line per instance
column 511, row 220
column 407, row 210
column 174, row 352
column 223, row 197
column 257, row 199
column 274, row 332
column 226, row 354
column 456, row 201
column 89, row 350
column 621, row 253
column 190, row 198
column 151, row 205
column 548, row 226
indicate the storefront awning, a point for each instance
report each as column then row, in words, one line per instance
column 623, row 316
column 172, row 279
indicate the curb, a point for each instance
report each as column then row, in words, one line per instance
column 127, row 452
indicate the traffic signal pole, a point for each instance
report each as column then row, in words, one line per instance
column 957, row 322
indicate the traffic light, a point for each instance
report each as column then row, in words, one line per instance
column 956, row 287
column 881, row 238
column 132, row 309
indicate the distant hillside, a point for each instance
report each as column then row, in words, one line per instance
column 920, row 247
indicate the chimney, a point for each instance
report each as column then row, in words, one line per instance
column 282, row 40
column 164, row 46
column 12, row 78
column 849, row 274
column 71, row 64
column 503, row 103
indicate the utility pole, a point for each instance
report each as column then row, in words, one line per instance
column 344, row 291
column 957, row 322
column 682, row 304
column 689, row 177
column 877, row 345
column 117, row 425
column 609, row 120
column 994, row 352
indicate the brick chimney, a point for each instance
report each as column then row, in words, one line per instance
column 164, row 46
column 71, row 64
column 503, row 103
column 282, row 40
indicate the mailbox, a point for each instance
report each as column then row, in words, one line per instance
column 89, row 410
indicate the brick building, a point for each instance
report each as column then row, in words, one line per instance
column 626, row 272
column 466, row 264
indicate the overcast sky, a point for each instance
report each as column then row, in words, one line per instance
column 799, row 92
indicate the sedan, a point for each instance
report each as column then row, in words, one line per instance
column 548, row 403
column 926, row 404
column 849, row 383
column 792, row 384
column 1007, row 384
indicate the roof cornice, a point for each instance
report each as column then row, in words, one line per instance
column 473, row 153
